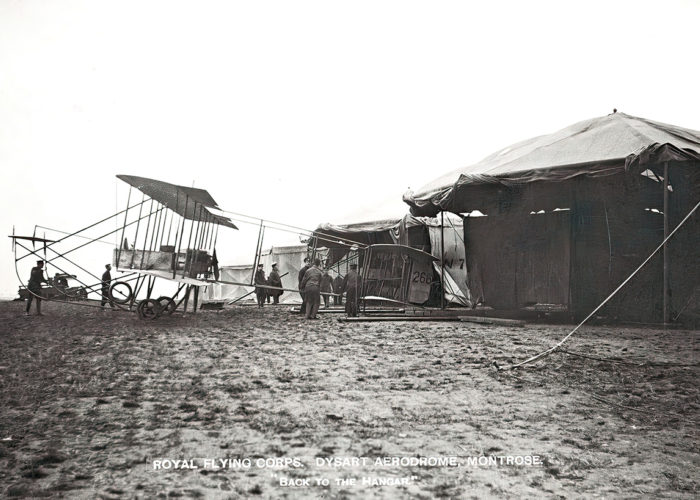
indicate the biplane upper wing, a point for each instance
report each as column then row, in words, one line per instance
column 184, row 201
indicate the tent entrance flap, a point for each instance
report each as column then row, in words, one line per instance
column 518, row 261
column 453, row 257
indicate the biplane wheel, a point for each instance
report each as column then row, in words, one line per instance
column 123, row 290
column 167, row 304
column 149, row 309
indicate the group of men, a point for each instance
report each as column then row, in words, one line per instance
column 36, row 278
column 263, row 292
column 314, row 283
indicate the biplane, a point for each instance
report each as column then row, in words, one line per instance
column 170, row 235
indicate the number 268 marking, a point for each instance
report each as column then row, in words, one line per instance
column 420, row 277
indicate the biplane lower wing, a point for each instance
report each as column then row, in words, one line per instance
column 167, row 275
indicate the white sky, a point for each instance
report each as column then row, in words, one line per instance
column 305, row 112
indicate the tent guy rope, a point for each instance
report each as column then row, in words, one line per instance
column 562, row 341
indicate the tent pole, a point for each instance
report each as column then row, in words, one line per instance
column 442, row 259
column 257, row 253
column 666, row 284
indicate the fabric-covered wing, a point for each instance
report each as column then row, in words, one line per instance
column 188, row 202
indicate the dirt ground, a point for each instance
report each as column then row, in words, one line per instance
column 93, row 404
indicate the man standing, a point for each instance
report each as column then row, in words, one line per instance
column 260, row 283
column 302, row 271
column 311, row 286
column 106, row 280
column 326, row 287
column 352, row 285
column 338, row 290
column 36, row 278
column 275, row 280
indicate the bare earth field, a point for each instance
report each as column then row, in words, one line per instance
column 90, row 399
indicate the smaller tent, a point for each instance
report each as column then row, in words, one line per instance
column 235, row 274
column 421, row 233
column 289, row 259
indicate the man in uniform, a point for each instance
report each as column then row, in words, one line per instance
column 302, row 271
column 352, row 286
column 338, row 290
column 311, row 286
column 276, row 281
column 106, row 280
column 326, row 287
column 36, row 278
column 260, row 283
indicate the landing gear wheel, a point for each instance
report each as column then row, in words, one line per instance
column 148, row 309
column 121, row 292
column 167, row 305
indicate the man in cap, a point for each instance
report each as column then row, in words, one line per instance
column 106, row 280
column 36, row 278
column 260, row 283
column 302, row 271
column 275, row 280
column 352, row 285
column 311, row 286
column 338, row 290
column 326, row 287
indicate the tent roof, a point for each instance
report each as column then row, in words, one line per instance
column 180, row 199
column 275, row 250
column 595, row 146
column 345, row 235
column 359, row 227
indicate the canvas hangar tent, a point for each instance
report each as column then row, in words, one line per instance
column 571, row 214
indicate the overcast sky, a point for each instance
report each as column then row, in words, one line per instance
column 308, row 112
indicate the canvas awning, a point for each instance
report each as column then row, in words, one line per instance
column 364, row 233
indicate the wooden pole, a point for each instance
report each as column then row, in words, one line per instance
column 257, row 253
column 665, row 250
column 442, row 260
